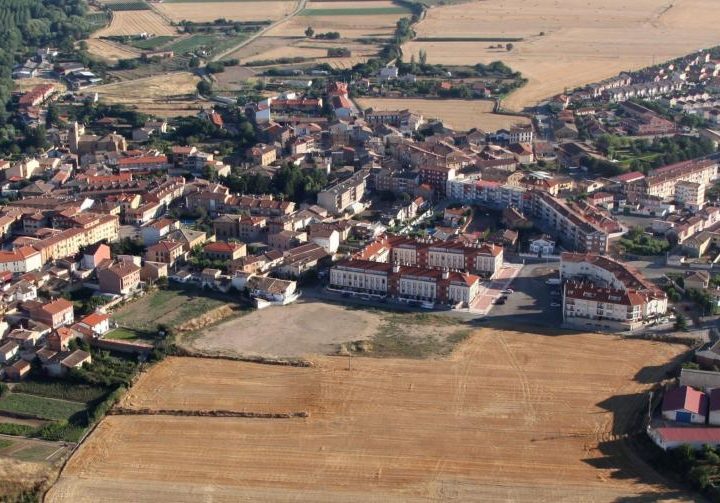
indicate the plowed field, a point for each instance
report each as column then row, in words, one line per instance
column 509, row 416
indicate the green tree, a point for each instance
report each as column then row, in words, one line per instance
column 204, row 88
column 681, row 322
column 309, row 32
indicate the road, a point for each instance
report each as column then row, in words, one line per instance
column 300, row 6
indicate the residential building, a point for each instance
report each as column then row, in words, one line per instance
column 54, row 314
column 342, row 196
column 20, row 260
column 685, row 405
column 166, row 251
column 120, row 278
column 225, row 251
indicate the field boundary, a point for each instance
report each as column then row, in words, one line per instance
column 124, row 411
column 185, row 352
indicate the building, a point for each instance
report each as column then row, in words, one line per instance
column 20, row 260
column 8, row 351
column 342, row 196
column 241, row 227
column 671, row 437
column 685, row 405
column 94, row 255
column 167, row 251
column 54, row 314
column 602, row 293
column 404, row 283
column 690, row 194
column 262, row 154
column 660, row 184
column 120, row 278
column 64, row 361
column 567, row 225
column 225, row 251
column 272, row 289
column 542, row 246
column 18, row 370
column 99, row 323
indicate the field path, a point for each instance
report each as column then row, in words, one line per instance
column 300, row 6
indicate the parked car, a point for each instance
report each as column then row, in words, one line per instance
column 508, row 290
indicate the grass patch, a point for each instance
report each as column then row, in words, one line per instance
column 360, row 11
column 192, row 43
column 171, row 307
column 61, row 390
column 4, row 443
column 40, row 407
column 151, row 43
column 37, row 453
column 61, row 430
column 20, row 430
column 414, row 335
column 125, row 334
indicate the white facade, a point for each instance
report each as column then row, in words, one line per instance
column 542, row 246
column 20, row 261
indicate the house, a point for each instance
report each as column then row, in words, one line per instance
column 225, row 251
column 153, row 271
column 59, row 340
column 272, row 289
column 18, row 370
column 167, row 251
column 94, row 255
column 22, row 259
column 542, row 246
column 99, row 323
column 327, row 238
column 685, row 405
column 698, row 280
column 190, row 239
column 62, row 362
column 25, row 338
column 262, row 154
column 671, row 437
column 154, row 232
column 120, row 278
column 53, row 314
column 8, row 350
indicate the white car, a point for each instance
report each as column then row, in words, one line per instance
column 508, row 290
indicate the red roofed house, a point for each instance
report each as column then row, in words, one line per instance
column 99, row 323
column 167, row 251
column 94, row 255
column 143, row 163
column 60, row 338
column 17, row 370
column 54, row 314
column 36, row 95
column 262, row 154
column 221, row 250
column 685, row 405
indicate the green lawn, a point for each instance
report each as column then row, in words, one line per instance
column 128, row 334
column 61, row 389
column 5, row 443
column 360, row 11
column 43, row 408
column 36, row 453
column 191, row 43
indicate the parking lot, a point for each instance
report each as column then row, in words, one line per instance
column 532, row 301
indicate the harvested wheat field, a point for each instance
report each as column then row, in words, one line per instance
column 459, row 114
column 110, row 51
column 201, row 12
column 584, row 41
column 509, row 416
column 165, row 95
column 135, row 22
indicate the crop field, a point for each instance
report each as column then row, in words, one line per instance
column 111, row 51
column 509, row 416
column 202, row 11
column 40, row 407
column 135, row 23
column 152, row 43
column 127, row 6
column 167, row 95
column 460, row 114
column 567, row 44
column 354, row 11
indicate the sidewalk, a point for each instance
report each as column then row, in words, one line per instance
column 491, row 290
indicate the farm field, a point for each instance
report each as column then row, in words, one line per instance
column 110, row 51
column 168, row 95
column 509, row 416
column 135, row 23
column 582, row 41
column 40, row 407
column 460, row 114
column 201, row 11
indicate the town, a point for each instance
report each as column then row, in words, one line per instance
column 125, row 234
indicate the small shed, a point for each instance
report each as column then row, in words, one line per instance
column 685, row 405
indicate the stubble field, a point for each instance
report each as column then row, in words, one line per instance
column 201, row 12
column 134, row 23
column 581, row 41
column 459, row 114
column 110, row 51
column 167, row 95
column 509, row 416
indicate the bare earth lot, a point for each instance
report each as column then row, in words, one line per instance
column 295, row 330
column 110, row 51
column 508, row 417
column 584, row 41
column 460, row 114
